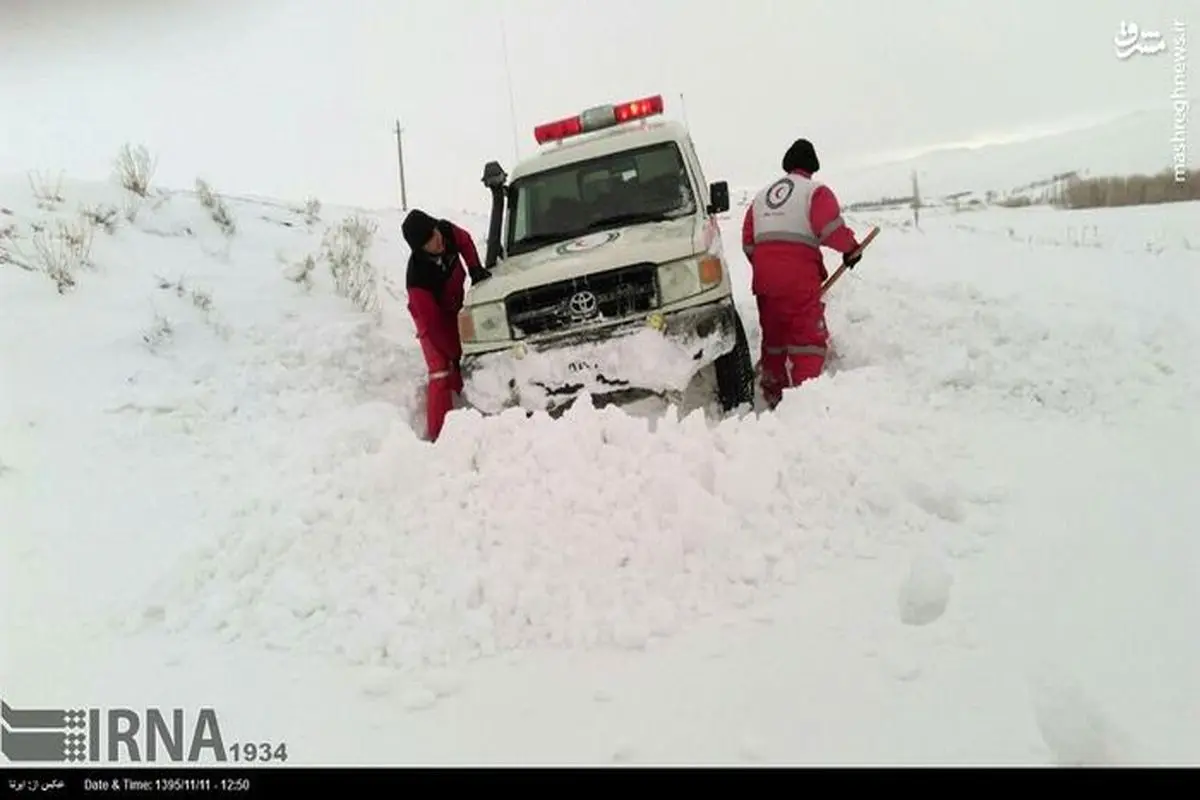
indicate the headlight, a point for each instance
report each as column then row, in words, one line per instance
column 680, row 280
column 485, row 323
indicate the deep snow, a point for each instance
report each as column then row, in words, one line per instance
column 973, row 541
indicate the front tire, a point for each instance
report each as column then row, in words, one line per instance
column 735, row 371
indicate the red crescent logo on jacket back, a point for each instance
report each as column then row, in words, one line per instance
column 779, row 193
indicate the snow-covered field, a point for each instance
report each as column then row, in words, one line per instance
column 977, row 540
column 1132, row 143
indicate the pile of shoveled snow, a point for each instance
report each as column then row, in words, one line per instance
column 521, row 532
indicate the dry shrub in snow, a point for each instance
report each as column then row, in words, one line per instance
column 217, row 209
column 134, row 168
column 60, row 252
column 47, row 192
column 158, row 334
column 300, row 272
column 9, row 252
column 354, row 276
column 312, row 211
column 102, row 216
column 200, row 298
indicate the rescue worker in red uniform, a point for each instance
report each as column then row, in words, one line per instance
column 436, row 284
column 782, row 235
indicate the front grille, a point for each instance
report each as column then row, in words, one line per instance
column 617, row 294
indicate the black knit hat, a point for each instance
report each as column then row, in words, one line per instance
column 417, row 228
column 801, row 155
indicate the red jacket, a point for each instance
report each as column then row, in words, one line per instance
column 436, row 285
column 795, row 269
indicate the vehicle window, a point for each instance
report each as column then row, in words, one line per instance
column 699, row 169
column 606, row 191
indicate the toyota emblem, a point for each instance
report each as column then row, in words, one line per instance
column 582, row 305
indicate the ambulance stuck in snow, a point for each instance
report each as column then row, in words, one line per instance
column 608, row 272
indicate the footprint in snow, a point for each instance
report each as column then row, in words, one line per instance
column 1077, row 732
column 925, row 592
column 418, row 698
column 945, row 504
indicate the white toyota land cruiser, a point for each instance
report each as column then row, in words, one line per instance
column 608, row 272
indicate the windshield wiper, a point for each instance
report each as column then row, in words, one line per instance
column 539, row 239
column 630, row 218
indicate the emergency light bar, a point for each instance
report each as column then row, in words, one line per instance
column 598, row 118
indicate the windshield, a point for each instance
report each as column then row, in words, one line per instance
column 642, row 185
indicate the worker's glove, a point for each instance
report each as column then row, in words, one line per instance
column 850, row 259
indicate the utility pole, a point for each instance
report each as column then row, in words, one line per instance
column 512, row 102
column 400, row 155
column 916, row 201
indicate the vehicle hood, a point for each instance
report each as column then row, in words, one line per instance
column 656, row 242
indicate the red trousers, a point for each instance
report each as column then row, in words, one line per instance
column 445, row 381
column 794, row 342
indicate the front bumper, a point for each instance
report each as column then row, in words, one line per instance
column 657, row 354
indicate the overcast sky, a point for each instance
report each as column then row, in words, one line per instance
column 297, row 97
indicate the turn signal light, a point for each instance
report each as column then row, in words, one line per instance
column 710, row 270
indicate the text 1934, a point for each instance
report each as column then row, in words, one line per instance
column 261, row 752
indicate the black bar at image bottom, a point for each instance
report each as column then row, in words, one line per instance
column 274, row 780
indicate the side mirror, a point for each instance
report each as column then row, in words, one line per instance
column 494, row 175
column 718, row 197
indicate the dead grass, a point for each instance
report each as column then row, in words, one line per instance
column 1128, row 190
column 346, row 249
column 134, row 167
column 216, row 207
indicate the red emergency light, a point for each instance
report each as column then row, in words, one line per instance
column 598, row 118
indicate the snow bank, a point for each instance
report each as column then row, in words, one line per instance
column 586, row 531
column 205, row 449
column 606, row 529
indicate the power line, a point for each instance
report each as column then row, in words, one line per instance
column 512, row 103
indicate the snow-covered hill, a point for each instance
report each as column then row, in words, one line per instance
column 1004, row 166
column 973, row 541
